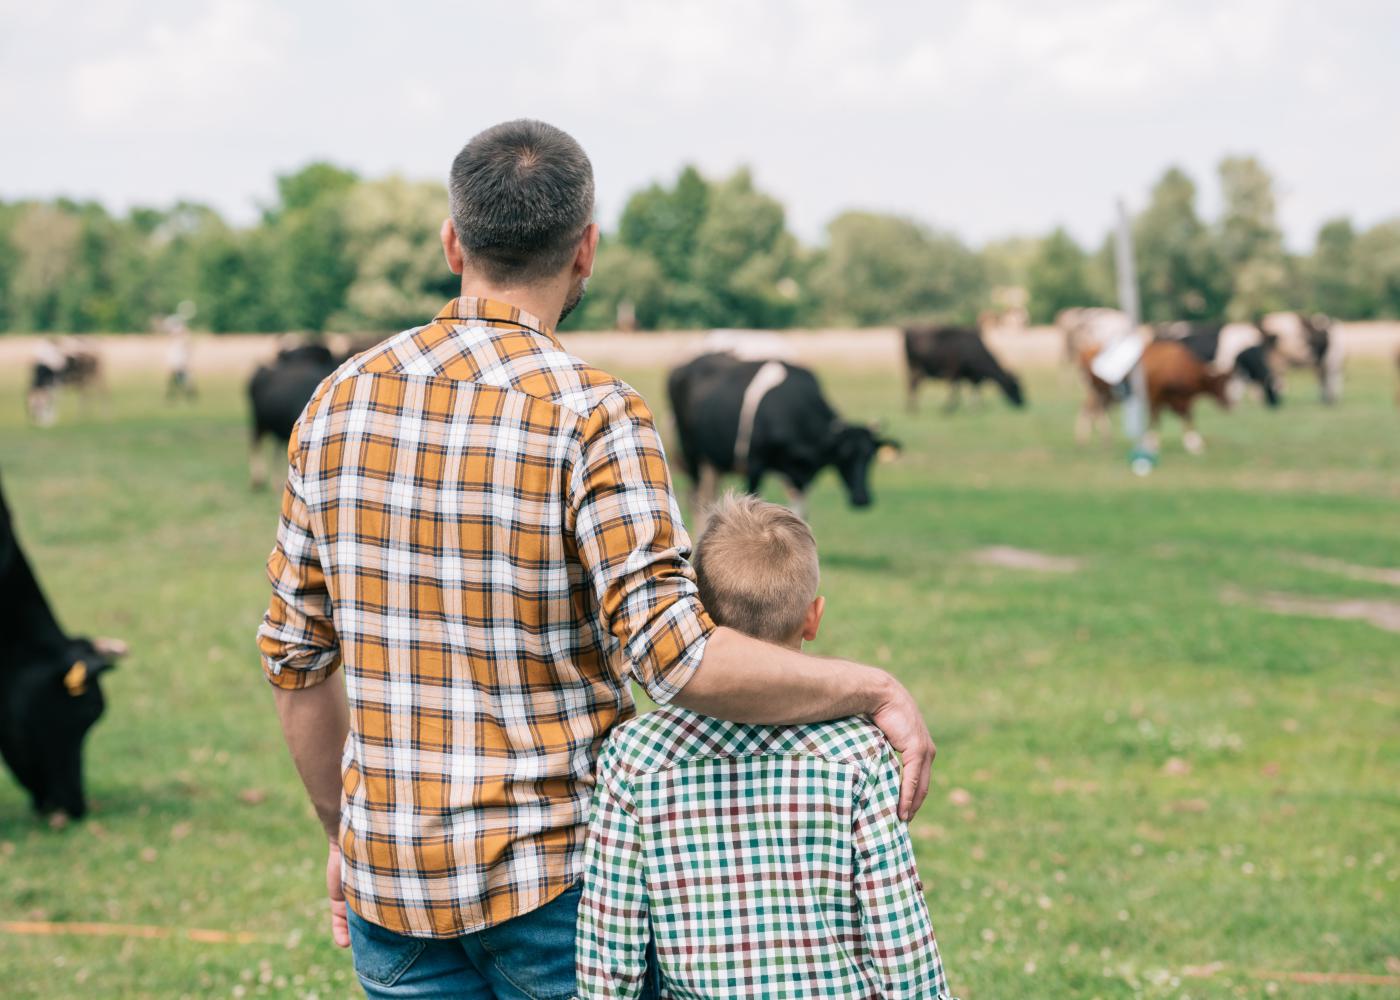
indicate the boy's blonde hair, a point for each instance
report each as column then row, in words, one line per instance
column 757, row 568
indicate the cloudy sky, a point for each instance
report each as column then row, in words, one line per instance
column 987, row 117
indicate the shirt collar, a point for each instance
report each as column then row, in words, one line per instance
column 492, row 312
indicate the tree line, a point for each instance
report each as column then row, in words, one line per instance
column 336, row 251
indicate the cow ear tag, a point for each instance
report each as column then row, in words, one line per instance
column 76, row 678
column 887, row 453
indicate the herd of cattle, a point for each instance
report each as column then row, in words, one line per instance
column 734, row 414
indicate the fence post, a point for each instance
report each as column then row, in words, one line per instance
column 1141, row 458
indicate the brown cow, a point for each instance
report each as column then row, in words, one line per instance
column 1175, row 377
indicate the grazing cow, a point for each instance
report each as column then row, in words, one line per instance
column 278, row 393
column 958, row 354
column 49, row 690
column 756, row 417
column 1091, row 327
column 1310, row 342
column 59, row 364
column 1174, row 376
column 1241, row 350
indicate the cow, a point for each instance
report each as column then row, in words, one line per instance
column 278, row 392
column 958, row 354
column 62, row 363
column 50, row 690
column 1174, row 377
column 756, row 417
column 1241, row 350
column 1090, row 327
column 1310, row 342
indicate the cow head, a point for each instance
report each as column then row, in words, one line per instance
column 1217, row 386
column 1012, row 388
column 852, row 448
column 61, row 706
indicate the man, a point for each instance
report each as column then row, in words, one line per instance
column 481, row 529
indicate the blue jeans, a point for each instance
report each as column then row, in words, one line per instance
column 530, row 957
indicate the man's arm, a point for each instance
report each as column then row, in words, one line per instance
column 301, row 651
column 631, row 541
column 746, row 680
column 893, row 914
column 614, row 912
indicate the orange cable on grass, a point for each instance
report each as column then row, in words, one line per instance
column 44, row 927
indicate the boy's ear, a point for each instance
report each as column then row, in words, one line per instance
column 813, row 621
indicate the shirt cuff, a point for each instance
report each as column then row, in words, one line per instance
column 665, row 687
column 298, row 670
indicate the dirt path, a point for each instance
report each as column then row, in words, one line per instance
column 873, row 349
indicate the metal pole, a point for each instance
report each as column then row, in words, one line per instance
column 1142, row 458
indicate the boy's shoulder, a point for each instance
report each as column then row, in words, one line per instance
column 669, row 736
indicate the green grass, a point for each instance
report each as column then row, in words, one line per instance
column 1069, row 862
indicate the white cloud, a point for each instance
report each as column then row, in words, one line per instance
column 174, row 70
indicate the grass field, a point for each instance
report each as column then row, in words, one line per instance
column 1142, row 790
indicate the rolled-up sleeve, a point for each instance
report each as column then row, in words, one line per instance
column 297, row 638
column 634, row 547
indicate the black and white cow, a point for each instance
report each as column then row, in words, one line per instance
column 957, row 354
column 1310, row 342
column 1240, row 350
column 50, row 694
column 757, row 417
column 278, row 392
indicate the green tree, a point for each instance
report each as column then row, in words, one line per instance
column 886, row 269
column 1334, row 283
column 400, row 279
column 1058, row 277
column 1179, row 272
column 46, row 241
column 1378, row 267
column 622, row 274
column 665, row 223
column 1251, row 244
column 744, row 257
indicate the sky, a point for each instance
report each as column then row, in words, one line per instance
column 984, row 117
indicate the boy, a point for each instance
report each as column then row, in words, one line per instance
column 729, row 860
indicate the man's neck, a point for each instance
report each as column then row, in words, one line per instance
column 545, row 303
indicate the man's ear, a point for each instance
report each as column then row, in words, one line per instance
column 813, row 621
column 587, row 251
column 451, row 248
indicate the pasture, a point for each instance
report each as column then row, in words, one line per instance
column 1149, row 783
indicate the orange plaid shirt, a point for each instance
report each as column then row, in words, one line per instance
column 481, row 529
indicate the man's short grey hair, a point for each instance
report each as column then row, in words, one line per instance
column 520, row 195
column 756, row 565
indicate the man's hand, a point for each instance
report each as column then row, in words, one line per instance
column 340, row 925
column 743, row 679
column 898, row 718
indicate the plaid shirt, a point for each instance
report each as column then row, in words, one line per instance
column 763, row 861
column 481, row 528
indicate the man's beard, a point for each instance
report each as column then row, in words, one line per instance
column 575, row 297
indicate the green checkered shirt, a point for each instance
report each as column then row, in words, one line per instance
column 764, row 861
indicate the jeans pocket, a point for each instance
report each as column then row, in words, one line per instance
column 380, row 955
column 534, row 952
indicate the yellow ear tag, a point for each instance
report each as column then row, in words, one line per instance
column 76, row 679
column 887, row 453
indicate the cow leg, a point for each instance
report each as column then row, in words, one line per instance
column 257, row 463
column 1191, row 439
column 913, row 377
column 702, row 496
column 1091, row 412
column 954, row 396
column 1152, row 440
column 797, row 499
